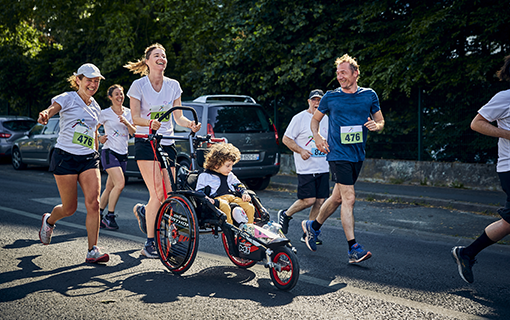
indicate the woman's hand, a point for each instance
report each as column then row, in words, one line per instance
column 43, row 117
column 195, row 127
column 154, row 124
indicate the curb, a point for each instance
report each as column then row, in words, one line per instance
column 447, row 204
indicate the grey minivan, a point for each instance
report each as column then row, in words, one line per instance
column 242, row 122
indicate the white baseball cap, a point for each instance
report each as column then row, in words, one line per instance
column 89, row 70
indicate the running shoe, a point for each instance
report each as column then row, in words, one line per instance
column 311, row 234
column 149, row 250
column 464, row 263
column 102, row 225
column 358, row 254
column 109, row 222
column 139, row 211
column 283, row 220
column 303, row 239
column 95, row 256
column 46, row 230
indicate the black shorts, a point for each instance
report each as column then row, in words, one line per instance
column 345, row 172
column 64, row 163
column 144, row 151
column 313, row 186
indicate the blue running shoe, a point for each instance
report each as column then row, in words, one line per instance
column 311, row 234
column 139, row 211
column 303, row 239
column 149, row 250
column 358, row 254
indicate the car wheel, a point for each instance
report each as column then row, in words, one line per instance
column 16, row 161
column 258, row 183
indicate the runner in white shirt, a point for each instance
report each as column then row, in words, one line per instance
column 75, row 159
column 150, row 97
column 311, row 165
column 497, row 109
column 116, row 121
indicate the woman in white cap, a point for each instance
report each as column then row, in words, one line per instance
column 75, row 159
column 150, row 96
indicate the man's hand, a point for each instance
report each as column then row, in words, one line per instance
column 371, row 125
column 305, row 154
column 321, row 143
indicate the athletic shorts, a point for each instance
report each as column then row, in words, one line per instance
column 313, row 186
column 345, row 172
column 504, row 178
column 64, row 163
column 111, row 159
column 144, row 151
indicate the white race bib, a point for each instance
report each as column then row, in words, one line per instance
column 351, row 134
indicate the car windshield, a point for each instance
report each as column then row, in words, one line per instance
column 19, row 125
column 235, row 119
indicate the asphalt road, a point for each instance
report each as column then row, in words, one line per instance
column 411, row 274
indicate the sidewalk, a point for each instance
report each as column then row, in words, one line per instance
column 459, row 199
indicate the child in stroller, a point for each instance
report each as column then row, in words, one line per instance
column 220, row 184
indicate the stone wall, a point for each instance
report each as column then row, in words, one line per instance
column 443, row 174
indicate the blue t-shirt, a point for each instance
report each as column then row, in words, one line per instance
column 348, row 112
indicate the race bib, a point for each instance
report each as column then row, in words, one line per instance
column 317, row 153
column 351, row 134
column 157, row 112
column 84, row 137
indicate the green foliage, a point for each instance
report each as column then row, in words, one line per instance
column 277, row 51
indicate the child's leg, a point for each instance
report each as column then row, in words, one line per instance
column 225, row 207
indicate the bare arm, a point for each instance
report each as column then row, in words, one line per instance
column 130, row 127
column 135, row 106
column 294, row 147
column 46, row 114
column 483, row 126
column 377, row 123
column 181, row 120
column 320, row 142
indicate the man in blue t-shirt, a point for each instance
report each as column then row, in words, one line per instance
column 352, row 111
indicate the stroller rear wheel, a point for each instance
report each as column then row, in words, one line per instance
column 177, row 234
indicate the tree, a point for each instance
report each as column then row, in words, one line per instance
column 445, row 52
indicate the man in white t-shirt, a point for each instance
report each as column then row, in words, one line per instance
column 311, row 165
column 497, row 109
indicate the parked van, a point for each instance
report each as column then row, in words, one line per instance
column 242, row 122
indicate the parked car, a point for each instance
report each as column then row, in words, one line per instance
column 11, row 128
column 242, row 122
column 36, row 146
